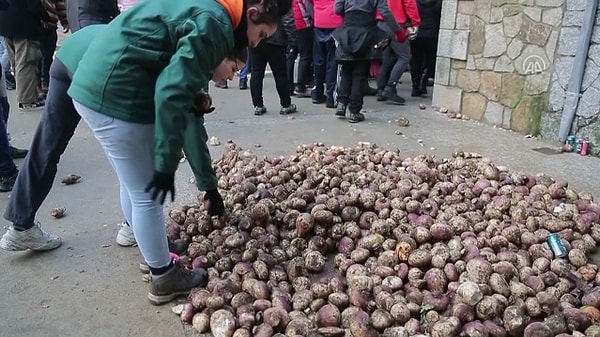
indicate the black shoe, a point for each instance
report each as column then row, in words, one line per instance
column 243, row 83
column 32, row 106
column 380, row 97
column 370, row 91
column 356, row 117
column 300, row 92
column 177, row 246
column 390, row 93
column 341, row 110
column 288, row 110
column 17, row 153
column 8, row 182
column 318, row 100
column 260, row 110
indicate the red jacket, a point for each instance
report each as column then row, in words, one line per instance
column 303, row 13
column 324, row 15
column 404, row 11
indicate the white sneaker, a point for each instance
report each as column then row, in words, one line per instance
column 34, row 238
column 125, row 236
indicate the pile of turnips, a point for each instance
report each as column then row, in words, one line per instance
column 359, row 241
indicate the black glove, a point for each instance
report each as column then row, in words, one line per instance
column 162, row 183
column 215, row 203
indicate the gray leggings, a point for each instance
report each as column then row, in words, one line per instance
column 129, row 148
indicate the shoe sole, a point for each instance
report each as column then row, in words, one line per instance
column 11, row 247
column 124, row 242
column 162, row 299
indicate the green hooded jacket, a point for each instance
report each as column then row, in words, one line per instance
column 146, row 66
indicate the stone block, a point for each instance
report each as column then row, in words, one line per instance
column 453, row 76
column 495, row 40
column 592, row 72
column 466, row 7
column 491, row 84
column 442, row 70
column 594, row 53
column 449, row 11
column 506, row 114
column 512, row 89
column 588, row 103
column 552, row 16
column 533, row 60
column 551, row 45
column 494, row 113
column 477, row 37
column 511, row 10
column 453, row 43
column 556, row 101
column 534, row 13
column 549, row 3
column 512, row 25
column 527, row 114
column 535, row 32
column 496, row 15
column 573, row 19
column 549, row 125
column 596, row 34
column 483, row 9
column 568, row 40
column 504, row 65
column 468, row 80
column 471, row 63
column 515, row 48
column 458, row 64
column 474, row 105
column 536, row 84
column 485, row 63
column 576, row 5
column 463, row 21
column 562, row 70
column 450, row 97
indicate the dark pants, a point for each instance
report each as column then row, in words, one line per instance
column 355, row 75
column 395, row 60
column 55, row 129
column 48, row 47
column 275, row 56
column 291, row 56
column 7, row 166
column 325, row 65
column 305, row 39
column 422, row 62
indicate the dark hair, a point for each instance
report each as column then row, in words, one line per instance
column 238, row 53
column 271, row 11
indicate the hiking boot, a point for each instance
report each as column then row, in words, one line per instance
column 380, row 97
column 301, row 92
column 390, row 93
column 369, row 91
column 341, row 110
column 177, row 281
column 356, row 117
column 288, row 110
column 17, row 153
column 8, row 182
column 32, row 106
column 260, row 110
column 243, row 83
column 125, row 237
column 33, row 238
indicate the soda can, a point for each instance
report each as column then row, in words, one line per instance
column 557, row 246
column 584, row 147
column 576, row 144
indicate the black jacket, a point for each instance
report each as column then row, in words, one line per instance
column 286, row 32
column 23, row 19
column 430, row 12
column 96, row 10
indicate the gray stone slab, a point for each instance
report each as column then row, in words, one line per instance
column 506, row 116
column 449, row 11
column 515, row 48
column 532, row 60
column 549, row 3
column 573, row 19
column 512, row 25
column 453, row 44
column 562, row 70
column 494, row 113
column 495, row 40
column 556, row 99
column 442, row 71
column 535, row 13
column 504, row 65
column 450, row 97
column 568, row 40
column 592, row 71
column 576, row 5
column 551, row 45
column 588, row 103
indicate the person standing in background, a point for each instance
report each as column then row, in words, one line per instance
column 81, row 13
column 303, row 11
column 424, row 47
column 396, row 57
column 273, row 51
column 324, row 63
column 21, row 26
column 244, row 73
column 58, row 12
column 5, row 63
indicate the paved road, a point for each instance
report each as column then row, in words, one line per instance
column 91, row 287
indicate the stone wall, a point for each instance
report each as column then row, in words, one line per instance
column 586, row 123
column 495, row 59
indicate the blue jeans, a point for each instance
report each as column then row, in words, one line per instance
column 4, row 58
column 129, row 148
column 324, row 65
